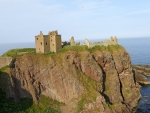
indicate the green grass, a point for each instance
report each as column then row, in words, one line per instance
column 49, row 53
column 26, row 105
column 113, row 48
column 45, row 105
column 90, row 94
column 16, row 52
column 128, row 91
column 9, row 106
column 81, row 103
column 110, row 48
column 74, row 48
column 4, row 68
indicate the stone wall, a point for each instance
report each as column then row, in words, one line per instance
column 73, row 43
column 112, row 41
column 39, row 41
column 58, row 43
column 5, row 61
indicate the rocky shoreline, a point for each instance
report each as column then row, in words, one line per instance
column 141, row 71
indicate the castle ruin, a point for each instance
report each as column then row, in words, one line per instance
column 112, row 41
column 46, row 43
column 52, row 42
column 72, row 42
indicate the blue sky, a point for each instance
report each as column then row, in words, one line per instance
column 21, row 20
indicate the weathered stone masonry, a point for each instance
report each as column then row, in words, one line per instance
column 112, row 41
column 52, row 42
column 45, row 43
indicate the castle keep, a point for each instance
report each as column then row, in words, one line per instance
column 45, row 43
column 52, row 42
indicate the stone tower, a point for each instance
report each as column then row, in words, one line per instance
column 72, row 42
column 55, row 41
column 45, row 43
column 116, row 40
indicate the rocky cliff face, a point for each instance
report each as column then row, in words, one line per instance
column 95, row 80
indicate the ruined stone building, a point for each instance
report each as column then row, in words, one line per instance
column 112, row 41
column 52, row 42
column 72, row 42
column 45, row 43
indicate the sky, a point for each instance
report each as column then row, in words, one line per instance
column 22, row 20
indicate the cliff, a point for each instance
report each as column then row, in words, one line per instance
column 94, row 80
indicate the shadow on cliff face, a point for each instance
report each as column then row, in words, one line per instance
column 10, row 99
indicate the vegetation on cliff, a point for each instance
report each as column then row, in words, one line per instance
column 16, row 52
column 26, row 105
column 111, row 48
column 98, row 79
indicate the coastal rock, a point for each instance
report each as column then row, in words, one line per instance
column 92, row 80
column 141, row 71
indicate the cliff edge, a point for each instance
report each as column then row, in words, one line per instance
column 97, row 80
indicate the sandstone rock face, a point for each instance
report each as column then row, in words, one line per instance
column 101, row 80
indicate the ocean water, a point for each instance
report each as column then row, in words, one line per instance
column 138, row 48
column 144, row 103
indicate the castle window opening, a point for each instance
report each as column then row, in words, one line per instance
column 41, row 43
column 46, row 43
column 37, row 38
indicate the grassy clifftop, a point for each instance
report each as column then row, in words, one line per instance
column 110, row 48
column 16, row 52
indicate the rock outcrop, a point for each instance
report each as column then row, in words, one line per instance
column 141, row 71
column 95, row 80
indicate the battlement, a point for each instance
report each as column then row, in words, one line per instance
column 53, row 32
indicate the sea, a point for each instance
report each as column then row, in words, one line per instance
column 138, row 48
